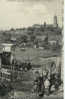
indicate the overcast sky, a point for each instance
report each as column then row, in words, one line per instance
column 24, row 13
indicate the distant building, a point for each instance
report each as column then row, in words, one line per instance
column 36, row 25
column 52, row 42
column 13, row 39
column 41, row 38
column 7, row 54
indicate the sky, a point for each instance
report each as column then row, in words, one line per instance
column 24, row 13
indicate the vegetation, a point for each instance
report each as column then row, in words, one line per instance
column 29, row 35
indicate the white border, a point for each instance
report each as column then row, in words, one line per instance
column 64, row 48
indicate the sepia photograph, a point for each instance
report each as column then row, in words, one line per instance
column 31, row 49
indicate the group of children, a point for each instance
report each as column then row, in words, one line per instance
column 43, row 84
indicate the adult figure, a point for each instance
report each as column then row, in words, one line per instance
column 39, row 84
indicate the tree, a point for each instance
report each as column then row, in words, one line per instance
column 24, row 38
column 32, row 38
column 46, row 40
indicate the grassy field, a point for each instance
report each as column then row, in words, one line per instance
column 40, row 57
column 35, row 55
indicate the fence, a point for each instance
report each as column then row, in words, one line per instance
column 31, row 96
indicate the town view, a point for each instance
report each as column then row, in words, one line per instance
column 31, row 64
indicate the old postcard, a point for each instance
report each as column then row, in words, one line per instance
column 31, row 49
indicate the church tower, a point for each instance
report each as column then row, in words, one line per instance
column 55, row 21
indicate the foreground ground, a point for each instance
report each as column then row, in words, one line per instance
column 34, row 97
